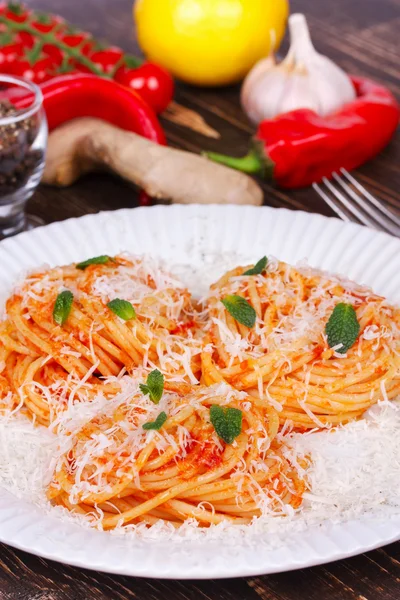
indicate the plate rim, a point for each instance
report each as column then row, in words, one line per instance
column 12, row 540
column 187, row 207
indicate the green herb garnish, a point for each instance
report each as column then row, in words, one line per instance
column 154, row 386
column 158, row 423
column 342, row 327
column 227, row 422
column 258, row 268
column 62, row 307
column 240, row 310
column 122, row 308
column 96, row 260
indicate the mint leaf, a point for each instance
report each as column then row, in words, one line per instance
column 258, row 268
column 123, row 309
column 227, row 422
column 96, row 260
column 62, row 307
column 157, row 424
column 342, row 327
column 240, row 310
column 154, row 386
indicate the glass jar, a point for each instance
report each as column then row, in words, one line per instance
column 23, row 139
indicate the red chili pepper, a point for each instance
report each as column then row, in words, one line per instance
column 151, row 81
column 299, row 148
column 72, row 96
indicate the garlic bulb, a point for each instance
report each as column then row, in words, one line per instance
column 304, row 79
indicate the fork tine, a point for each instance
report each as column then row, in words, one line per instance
column 391, row 215
column 384, row 222
column 330, row 202
column 362, row 217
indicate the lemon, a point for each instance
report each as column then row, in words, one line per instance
column 209, row 42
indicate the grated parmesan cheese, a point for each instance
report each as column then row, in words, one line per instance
column 354, row 469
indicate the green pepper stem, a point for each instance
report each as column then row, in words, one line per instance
column 252, row 163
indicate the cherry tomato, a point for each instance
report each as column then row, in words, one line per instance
column 86, row 44
column 8, row 54
column 14, row 12
column 65, row 71
column 27, row 39
column 39, row 72
column 79, row 67
column 45, row 23
column 66, row 67
column 88, row 47
column 54, row 53
column 107, row 59
column 74, row 39
column 10, row 48
column 151, row 81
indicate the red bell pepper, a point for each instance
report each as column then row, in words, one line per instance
column 299, row 148
column 71, row 96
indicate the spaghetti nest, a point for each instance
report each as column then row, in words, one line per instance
column 132, row 396
column 285, row 357
column 111, row 467
column 44, row 366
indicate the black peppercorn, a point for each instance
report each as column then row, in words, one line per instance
column 17, row 159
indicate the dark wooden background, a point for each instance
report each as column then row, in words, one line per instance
column 362, row 36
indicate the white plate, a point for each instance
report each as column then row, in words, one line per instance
column 197, row 235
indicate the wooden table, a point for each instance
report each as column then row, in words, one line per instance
column 362, row 36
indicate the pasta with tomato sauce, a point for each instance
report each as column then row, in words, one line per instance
column 167, row 407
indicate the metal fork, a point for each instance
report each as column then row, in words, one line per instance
column 352, row 202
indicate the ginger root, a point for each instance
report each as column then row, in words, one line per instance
column 88, row 144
